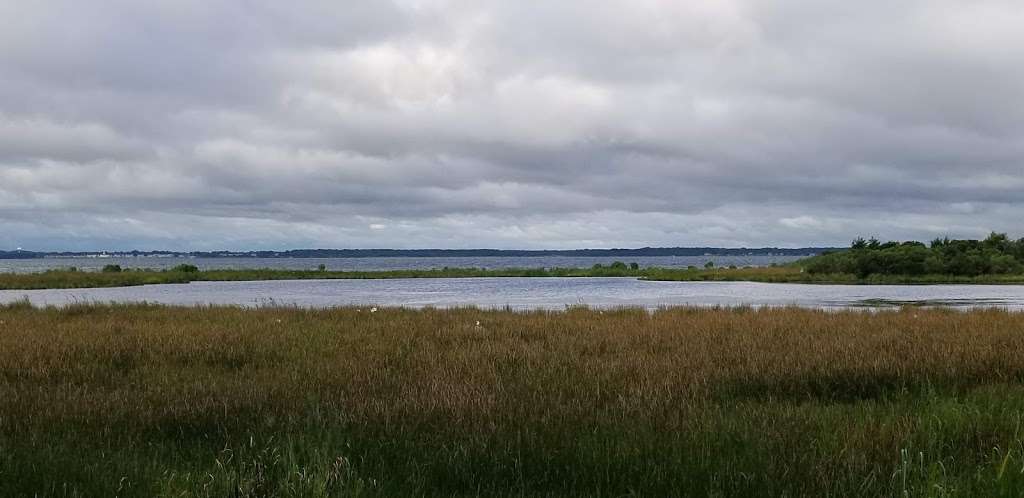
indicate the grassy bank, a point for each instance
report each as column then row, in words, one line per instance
column 67, row 279
column 791, row 273
column 154, row 401
column 794, row 273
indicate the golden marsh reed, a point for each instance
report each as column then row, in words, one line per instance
column 137, row 400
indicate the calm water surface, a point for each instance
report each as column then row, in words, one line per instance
column 536, row 293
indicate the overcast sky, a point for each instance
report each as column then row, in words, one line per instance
column 199, row 124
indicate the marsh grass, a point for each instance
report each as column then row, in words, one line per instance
column 72, row 279
column 789, row 273
column 142, row 400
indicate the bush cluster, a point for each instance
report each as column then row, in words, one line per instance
column 997, row 254
column 615, row 267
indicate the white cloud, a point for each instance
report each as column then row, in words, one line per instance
column 516, row 124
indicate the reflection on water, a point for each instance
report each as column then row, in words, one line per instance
column 981, row 302
column 537, row 293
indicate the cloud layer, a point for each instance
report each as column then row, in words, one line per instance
column 191, row 124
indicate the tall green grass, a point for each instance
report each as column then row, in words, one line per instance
column 137, row 400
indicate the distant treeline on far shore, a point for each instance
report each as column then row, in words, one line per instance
column 436, row 253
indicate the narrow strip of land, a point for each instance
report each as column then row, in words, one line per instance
column 66, row 279
column 793, row 273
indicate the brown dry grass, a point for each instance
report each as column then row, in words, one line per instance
column 583, row 402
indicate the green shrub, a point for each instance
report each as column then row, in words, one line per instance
column 112, row 269
column 969, row 258
column 185, row 268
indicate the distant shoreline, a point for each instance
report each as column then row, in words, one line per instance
column 430, row 253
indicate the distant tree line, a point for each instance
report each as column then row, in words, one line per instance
column 997, row 254
column 406, row 253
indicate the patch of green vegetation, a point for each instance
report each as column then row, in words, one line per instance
column 795, row 273
column 67, row 279
column 791, row 273
column 995, row 260
column 996, row 255
column 143, row 401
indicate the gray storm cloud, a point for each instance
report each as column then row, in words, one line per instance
column 193, row 124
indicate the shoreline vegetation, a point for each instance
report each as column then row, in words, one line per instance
column 153, row 401
column 76, row 279
column 71, row 278
column 995, row 260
